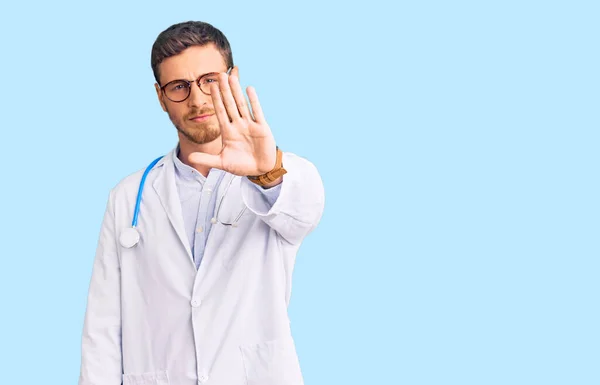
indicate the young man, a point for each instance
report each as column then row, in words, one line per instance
column 197, row 291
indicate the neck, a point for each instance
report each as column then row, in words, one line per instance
column 186, row 148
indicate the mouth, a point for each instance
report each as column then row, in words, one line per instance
column 201, row 118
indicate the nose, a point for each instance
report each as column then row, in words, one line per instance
column 197, row 97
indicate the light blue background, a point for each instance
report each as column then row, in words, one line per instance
column 458, row 144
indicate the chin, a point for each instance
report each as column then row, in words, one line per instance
column 201, row 135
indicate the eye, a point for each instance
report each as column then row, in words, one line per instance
column 212, row 78
column 176, row 86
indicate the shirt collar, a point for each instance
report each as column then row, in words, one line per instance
column 186, row 172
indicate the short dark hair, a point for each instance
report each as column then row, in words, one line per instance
column 175, row 39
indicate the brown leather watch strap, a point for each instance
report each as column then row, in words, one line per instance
column 277, row 172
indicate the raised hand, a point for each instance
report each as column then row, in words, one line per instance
column 248, row 144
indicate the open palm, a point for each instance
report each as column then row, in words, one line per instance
column 248, row 144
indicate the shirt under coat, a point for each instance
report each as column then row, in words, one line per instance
column 198, row 201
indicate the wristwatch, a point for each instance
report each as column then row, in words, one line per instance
column 272, row 175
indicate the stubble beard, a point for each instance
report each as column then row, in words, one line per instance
column 198, row 133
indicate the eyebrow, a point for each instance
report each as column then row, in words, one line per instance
column 193, row 80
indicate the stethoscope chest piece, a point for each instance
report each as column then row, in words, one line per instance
column 129, row 237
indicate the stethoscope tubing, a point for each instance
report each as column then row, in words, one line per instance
column 138, row 200
column 130, row 236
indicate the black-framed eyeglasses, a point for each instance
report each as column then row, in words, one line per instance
column 179, row 90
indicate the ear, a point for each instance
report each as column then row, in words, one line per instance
column 160, row 99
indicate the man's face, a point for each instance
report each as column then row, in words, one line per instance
column 189, row 65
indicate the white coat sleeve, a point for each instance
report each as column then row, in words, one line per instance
column 299, row 206
column 101, row 340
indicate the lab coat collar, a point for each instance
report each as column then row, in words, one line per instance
column 165, row 187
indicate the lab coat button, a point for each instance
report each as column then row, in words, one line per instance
column 202, row 378
column 196, row 303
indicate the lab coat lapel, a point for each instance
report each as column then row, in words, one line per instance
column 165, row 187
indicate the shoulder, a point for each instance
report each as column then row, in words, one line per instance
column 130, row 184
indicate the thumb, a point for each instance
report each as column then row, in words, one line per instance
column 203, row 159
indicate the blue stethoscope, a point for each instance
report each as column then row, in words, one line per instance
column 131, row 236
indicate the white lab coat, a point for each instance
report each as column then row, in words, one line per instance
column 153, row 319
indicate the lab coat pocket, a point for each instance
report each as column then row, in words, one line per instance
column 150, row 378
column 272, row 363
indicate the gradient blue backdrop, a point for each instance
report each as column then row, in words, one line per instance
column 458, row 144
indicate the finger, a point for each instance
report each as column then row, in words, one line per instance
column 227, row 97
column 220, row 110
column 203, row 159
column 235, row 71
column 256, row 109
column 240, row 99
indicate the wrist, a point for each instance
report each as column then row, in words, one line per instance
column 273, row 184
column 273, row 177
